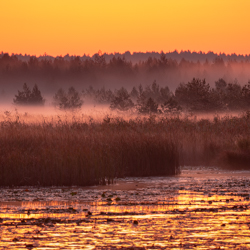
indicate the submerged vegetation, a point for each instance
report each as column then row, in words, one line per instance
column 88, row 152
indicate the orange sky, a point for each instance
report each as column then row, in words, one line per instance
column 58, row 27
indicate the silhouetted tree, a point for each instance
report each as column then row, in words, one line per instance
column 194, row 95
column 23, row 96
column 121, row 100
column 28, row 97
column 219, row 62
column 233, row 96
column 165, row 94
column 153, row 91
column 219, row 94
column 36, row 96
column 159, row 95
column 246, row 94
column 70, row 100
column 221, row 85
column 146, row 105
column 103, row 96
column 151, row 106
column 134, row 93
column 90, row 92
column 99, row 60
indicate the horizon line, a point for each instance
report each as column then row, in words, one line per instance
column 121, row 53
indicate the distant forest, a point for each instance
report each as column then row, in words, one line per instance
column 114, row 71
column 136, row 57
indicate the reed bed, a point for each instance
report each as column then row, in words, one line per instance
column 96, row 152
column 81, row 153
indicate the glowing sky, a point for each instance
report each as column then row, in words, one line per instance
column 58, row 27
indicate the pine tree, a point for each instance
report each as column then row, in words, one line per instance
column 36, row 97
column 122, row 100
column 70, row 100
column 146, row 105
column 28, row 97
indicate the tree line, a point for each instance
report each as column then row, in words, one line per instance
column 116, row 71
column 98, row 64
column 196, row 95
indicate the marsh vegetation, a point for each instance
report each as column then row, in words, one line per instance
column 79, row 153
column 143, row 129
column 83, row 151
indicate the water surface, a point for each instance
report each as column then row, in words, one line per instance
column 201, row 208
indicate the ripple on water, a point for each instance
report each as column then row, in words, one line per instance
column 204, row 208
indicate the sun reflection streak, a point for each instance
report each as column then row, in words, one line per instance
column 204, row 215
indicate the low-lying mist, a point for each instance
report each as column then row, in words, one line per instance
column 49, row 113
column 92, row 112
column 116, row 71
column 86, row 121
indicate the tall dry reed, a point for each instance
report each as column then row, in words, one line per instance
column 82, row 153
column 88, row 153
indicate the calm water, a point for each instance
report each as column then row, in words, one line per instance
column 202, row 209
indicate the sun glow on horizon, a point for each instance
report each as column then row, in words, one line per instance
column 82, row 27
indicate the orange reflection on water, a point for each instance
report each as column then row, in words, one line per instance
column 188, row 219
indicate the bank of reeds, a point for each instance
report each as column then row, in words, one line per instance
column 93, row 152
column 82, row 153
